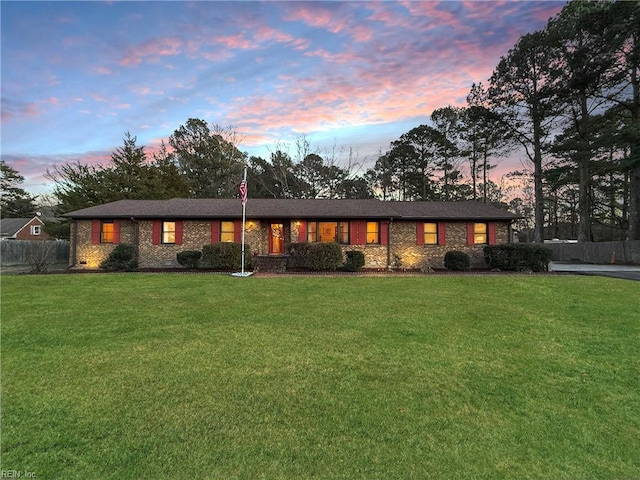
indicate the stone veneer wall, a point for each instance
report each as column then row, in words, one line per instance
column 196, row 234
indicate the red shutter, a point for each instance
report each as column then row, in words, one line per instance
column 384, row 233
column 156, row 232
column 470, row 228
column 302, row 232
column 95, row 232
column 442, row 233
column 353, row 233
column 237, row 231
column 179, row 231
column 358, row 232
column 116, row 232
column 215, row 231
column 419, row 233
column 492, row 233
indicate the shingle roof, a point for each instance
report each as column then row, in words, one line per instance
column 9, row 227
column 259, row 208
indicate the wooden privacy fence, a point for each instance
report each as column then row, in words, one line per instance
column 22, row 252
column 597, row 252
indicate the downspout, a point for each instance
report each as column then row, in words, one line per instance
column 136, row 237
column 389, row 243
column 73, row 240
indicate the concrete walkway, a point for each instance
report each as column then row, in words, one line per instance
column 628, row 272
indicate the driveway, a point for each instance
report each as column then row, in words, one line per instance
column 628, row 272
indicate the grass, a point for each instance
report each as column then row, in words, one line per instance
column 133, row 376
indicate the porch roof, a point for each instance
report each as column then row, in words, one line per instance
column 261, row 208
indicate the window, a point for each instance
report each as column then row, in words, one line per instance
column 480, row 233
column 312, row 232
column 107, row 232
column 227, row 232
column 328, row 232
column 430, row 233
column 168, row 232
column 343, row 232
column 35, row 229
column 373, row 232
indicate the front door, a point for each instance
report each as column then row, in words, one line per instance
column 276, row 239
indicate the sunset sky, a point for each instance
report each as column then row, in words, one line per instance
column 77, row 75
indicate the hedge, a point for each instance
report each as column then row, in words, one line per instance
column 518, row 257
column 226, row 256
column 355, row 261
column 324, row 256
column 456, row 260
column 121, row 258
column 189, row 258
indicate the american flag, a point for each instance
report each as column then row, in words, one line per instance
column 243, row 192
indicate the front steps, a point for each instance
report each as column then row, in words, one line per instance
column 270, row 263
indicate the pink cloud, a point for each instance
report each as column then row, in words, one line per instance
column 265, row 33
column 34, row 167
column 362, row 34
column 315, row 15
column 152, row 50
column 310, row 14
column 140, row 89
column 14, row 109
column 339, row 58
column 217, row 55
column 99, row 98
column 102, row 70
column 235, row 41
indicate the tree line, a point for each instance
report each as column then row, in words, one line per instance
column 565, row 99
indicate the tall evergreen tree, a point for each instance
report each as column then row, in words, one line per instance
column 625, row 74
column 208, row 159
column 15, row 202
column 130, row 175
column 446, row 122
column 486, row 137
column 582, row 53
column 520, row 94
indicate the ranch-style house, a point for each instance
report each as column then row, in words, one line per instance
column 413, row 235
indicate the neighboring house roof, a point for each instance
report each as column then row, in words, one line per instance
column 258, row 208
column 9, row 227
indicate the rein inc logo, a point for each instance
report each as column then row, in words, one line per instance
column 17, row 474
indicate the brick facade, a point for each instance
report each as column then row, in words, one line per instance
column 24, row 229
column 402, row 251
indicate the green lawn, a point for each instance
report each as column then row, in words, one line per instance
column 129, row 376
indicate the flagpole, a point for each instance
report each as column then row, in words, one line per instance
column 244, row 219
column 243, row 199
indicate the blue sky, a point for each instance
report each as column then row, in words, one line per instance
column 77, row 75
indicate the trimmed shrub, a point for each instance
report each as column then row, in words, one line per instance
column 519, row 257
column 355, row 261
column 226, row 256
column 189, row 258
column 324, row 256
column 122, row 258
column 298, row 255
column 456, row 260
